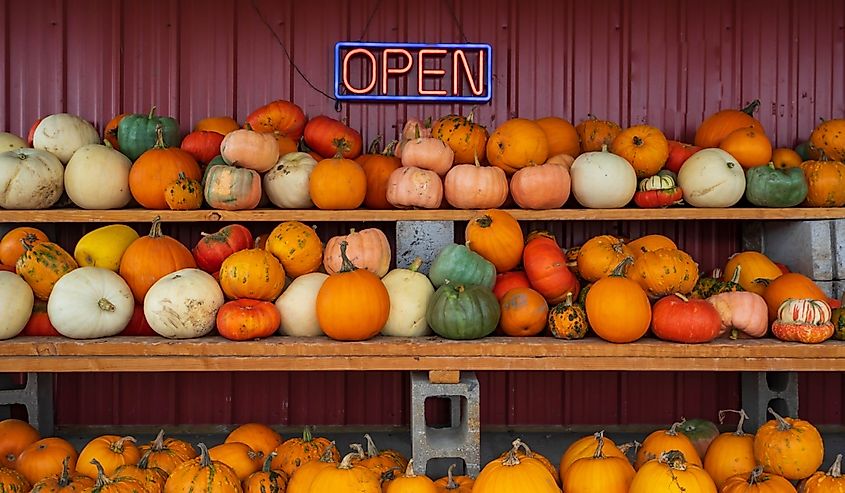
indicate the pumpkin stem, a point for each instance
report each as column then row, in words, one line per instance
column 358, row 450
column 347, row 265
column 390, row 149
column 22, row 155
column 253, row 455
column 415, row 265
column 375, row 144
column 519, row 444
column 836, row 469
column 752, row 107
column 484, row 221
column 756, row 476
column 342, row 146
column 372, row 450
column 417, row 131
column 604, row 148
column 306, row 434
column 471, row 117
column 409, row 471
column 155, row 230
column 159, row 138
column 106, row 305
column 625, row 447
column 158, row 443
column 152, row 113
column 327, row 453
column 102, row 479
column 674, row 459
column 64, row 477
column 567, row 302
column 144, row 463
column 268, row 461
column 742, row 417
column 117, row 447
column 205, row 457
column 620, row 269
column 782, row 423
column 28, row 241
column 450, row 482
column 673, row 431
column 599, row 453
column 511, row 459
column 346, row 463
column 638, row 141
column 735, row 276
column 682, row 297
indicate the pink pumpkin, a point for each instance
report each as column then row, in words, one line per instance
column 472, row 186
column 743, row 314
column 414, row 187
column 249, row 149
column 541, row 187
column 428, row 153
column 367, row 249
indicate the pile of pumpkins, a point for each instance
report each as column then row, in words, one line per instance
column 498, row 282
column 690, row 456
column 280, row 157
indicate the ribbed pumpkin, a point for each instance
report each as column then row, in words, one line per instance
column 757, row 482
column 665, row 271
column 754, row 266
column 790, row 286
column 618, row 309
column 458, row 311
column 545, row 265
column 239, row 456
column 346, row 477
column 671, row 473
column 825, row 183
column 150, row 476
column 353, row 304
column 454, row 484
column 45, row 458
column 561, row 135
column 719, row 125
column 254, row 274
column 66, row 482
column 267, row 480
column 598, row 473
column 42, row 264
column 293, row 453
column 157, row 168
column 649, row 243
column 11, row 246
column 661, row 441
column 644, row 146
column 203, row 474
column 495, row 235
column 600, row 255
column 378, row 166
column 381, row 461
column 586, row 447
column 167, row 453
column 259, row 437
column 231, row 188
column 595, row 134
column 11, row 481
column 828, row 138
column 545, row 186
column 467, row 139
column 414, row 187
column 789, row 447
column 457, row 264
column 568, row 320
column 411, row 483
column 337, row 183
column 111, row 451
column 249, row 149
column 523, row 451
column 517, row 143
column 472, row 186
column 301, row 481
column 297, row 247
column 512, row 473
column 730, row 453
column 219, row 124
column 367, row 249
column 105, row 484
column 830, row 482
column 152, row 257
column 15, row 436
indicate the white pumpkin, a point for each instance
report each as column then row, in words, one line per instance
column 712, row 178
column 183, row 304
column 10, row 142
column 90, row 302
column 603, row 180
column 17, row 299
column 30, row 179
column 97, row 177
column 410, row 292
column 62, row 134
column 286, row 183
column 298, row 306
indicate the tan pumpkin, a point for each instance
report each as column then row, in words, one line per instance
column 564, row 160
column 600, row 255
column 644, row 146
column 517, row 143
column 414, row 187
column 546, row 186
column 249, row 149
column 472, row 186
column 428, row 153
column 368, row 249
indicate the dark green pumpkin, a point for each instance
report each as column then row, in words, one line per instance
column 459, row 311
column 838, row 319
column 460, row 265
column 803, row 150
column 136, row 133
column 568, row 320
column 767, row 186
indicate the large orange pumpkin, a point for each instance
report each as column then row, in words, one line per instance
column 259, row 437
column 15, row 436
column 730, row 453
column 661, row 441
column 157, row 168
column 11, row 246
column 337, row 183
column 825, row 183
column 517, row 143
column 353, row 304
column 295, row 452
column 297, row 247
column 301, row 481
column 111, row 451
column 595, row 134
column 523, row 312
column 791, row 285
column 717, row 126
column 790, row 447
column 496, row 235
column 239, row 456
column 649, row 243
column 828, row 139
column 617, row 308
column 42, row 264
column 467, row 139
column 203, row 474
column 45, row 458
column 152, row 257
column 644, row 146
column 822, row 482
column 561, row 135
column 749, row 146
column 253, row 273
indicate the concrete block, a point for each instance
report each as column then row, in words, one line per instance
column 762, row 390
column 753, row 236
column 838, row 234
column 805, row 246
column 462, row 439
column 829, row 287
column 838, row 288
column 36, row 396
column 423, row 239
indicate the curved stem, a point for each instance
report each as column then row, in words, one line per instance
column 836, row 469
column 782, row 424
column 102, row 479
column 752, row 107
column 375, row 144
column 673, row 431
column 567, row 302
column 327, row 453
column 155, row 230
column 409, row 471
column 158, row 443
column 599, row 453
column 205, row 458
column 415, row 265
column 682, row 297
column 117, row 446
column 735, row 277
column 756, row 476
column 306, row 434
column 620, row 269
column 452, row 485
column 372, row 450
column 742, row 417
column 152, row 113
column 346, row 463
column 268, row 461
column 519, row 444
column 346, row 265
column 358, row 450
column 159, row 138
column 64, row 477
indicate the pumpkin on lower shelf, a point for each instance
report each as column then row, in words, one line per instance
column 381, row 461
column 410, row 292
column 247, row 319
column 212, row 249
column 514, row 473
column 42, row 265
column 454, row 484
column 803, row 320
column 90, row 302
column 790, row 447
column 821, row 482
column 523, row 312
column 599, row 473
column 167, row 453
column 109, row 451
column 670, row 473
column 295, row 452
column 45, row 458
column 259, row 437
column 411, row 483
column 346, row 477
column 297, row 247
column 239, row 456
column 104, row 247
column 253, row 273
column 680, row 319
column 11, row 481
column 66, row 482
column 568, row 320
column 757, row 482
column 661, row 441
column 701, row 433
column 730, row 453
column 183, row 304
column 15, row 436
column 459, row 311
column 203, row 474
column 17, row 300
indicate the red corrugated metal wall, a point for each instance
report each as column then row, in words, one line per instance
column 664, row 62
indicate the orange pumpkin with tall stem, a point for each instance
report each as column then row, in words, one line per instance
column 167, row 453
column 296, row 452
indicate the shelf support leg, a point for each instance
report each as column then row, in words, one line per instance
column 762, row 390
column 422, row 239
column 36, row 396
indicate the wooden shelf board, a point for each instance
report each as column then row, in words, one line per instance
column 279, row 215
column 46, row 354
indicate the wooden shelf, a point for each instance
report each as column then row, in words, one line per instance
column 314, row 215
column 148, row 354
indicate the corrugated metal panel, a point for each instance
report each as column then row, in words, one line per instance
column 657, row 61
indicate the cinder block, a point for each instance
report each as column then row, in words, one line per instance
column 752, row 236
column 423, row 239
column 829, row 287
column 805, row 246
column 838, row 233
column 762, row 390
column 838, row 288
column 37, row 396
column 462, row 439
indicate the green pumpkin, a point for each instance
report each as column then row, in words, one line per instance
column 136, row 133
column 767, row 186
column 803, row 150
column 460, row 265
column 458, row 311
column 568, row 320
column 838, row 319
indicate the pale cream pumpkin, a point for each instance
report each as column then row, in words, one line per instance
column 97, row 177
column 104, row 247
column 298, row 306
column 414, row 187
column 62, row 134
column 367, row 249
column 472, row 186
column 90, row 302
column 183, row 304
column 602, row 180
column 410, row 292
column 249, row 149
column 286, row 184
column 30, row 179
column 712, row 178
column 10, row 142
column 541, row 187
column 17, row 299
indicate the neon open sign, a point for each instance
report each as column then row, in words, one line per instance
column 413, row 72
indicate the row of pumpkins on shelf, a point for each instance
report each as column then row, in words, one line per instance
column 690, row 456
column 119, row 283
column 536, row 163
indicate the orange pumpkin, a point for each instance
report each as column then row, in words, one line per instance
column 11, row 481
column 644, row 146
column 378, row 167
column 337, row 183
column 586, row 447
column 151, row 477
column 242, row 459
column 45, row 458
column 203, row 474
column 784, row 157
column 352, row 304
column 254, row 274
column 825, row 183
column 245, row 319
column 301, row 481
column 11, row 246
column 297, row 247
column 63, row 483
column 183, row 194
column 149, row 258
column 267, row 480
column 561, row 136
column 661, row 441
column 618, row 309
column 517, row 143
column 790, row 286
column 111, row 451
column 15, row 436
column 219, row 124
column 600, row 255
column 454, row 484
column 595, row 134
column 496, row 235
column 167, row 453
column 730, row 453
column 523, row 312
column 821, row 482
column 380, row 461
column 717, row 126
column 521, row 451
column 202, row 145
column 757, row 482
column 296, row 452
column 546, row 186
column 467, row 139
column 368, row 249
column 347, row 477
column 110, row 131
column 410, row 482
column 755, row 270
column 42, row 264
column 828, row 139
column 649, row 243
column 472, row 186
column 157, row 168
column 280, row 117
column 259, row 437
column 545, row 267
column 599, row 473
column 790, row 447
column 749, row 146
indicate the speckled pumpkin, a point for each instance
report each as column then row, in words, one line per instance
column 297, row 247
column 295, row 452
column 12, row 482
column 254, row 274
column 789, row 447
column 42, row 264
column 203, row 474
column 568, row 320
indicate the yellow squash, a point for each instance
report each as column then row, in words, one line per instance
column 104, row 246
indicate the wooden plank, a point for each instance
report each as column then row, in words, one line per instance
column 418, row 354
column 279, row 215
column 444, row 376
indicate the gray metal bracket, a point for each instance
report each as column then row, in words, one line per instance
column 762, row 390
column 36, row 396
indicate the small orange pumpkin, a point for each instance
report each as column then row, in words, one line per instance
column 15, row 436
column 586, row 447
column 523, row 312
column 825, row 183
column 821, row 482
column 757, row 482
column 367, row 249
column 618, row 309
column 380, row 461
column 595, row 134
column 469, row 186
column 184, row 194
column 259, row 437
column 730, row 454
column 378, row 167
column 749, row 146
column 295, row 452
column 661, row 441
column 245, row 319
column 644, row 146
column 167, row 453
column 337, row 183
column 267, row 480
column 719, row 125
column 517, row 143
column 828, row 138
column 111, row 451
column 42, row 264
column 203, row 474
column 11, row 246
column 151, row 477
column 454, row 484
column 784, row 157
column 305, row 474
column 239, row 456
column 496, row 235
column 254, row 274
column 297, row 247
column 64, row 483
column 45, row 458
column 600, row 255
column 157, row 168
column 410, row 482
